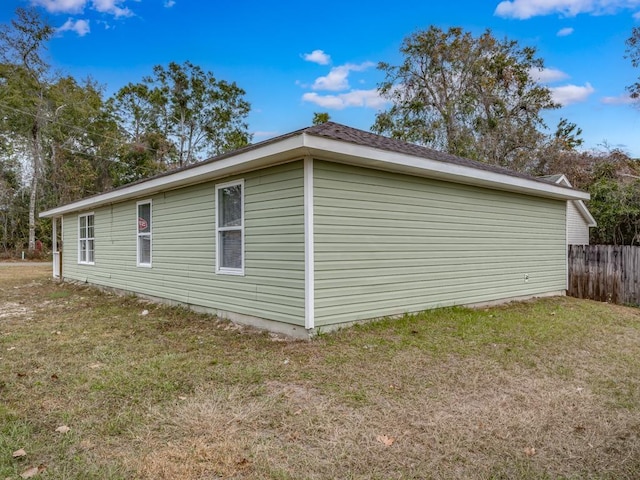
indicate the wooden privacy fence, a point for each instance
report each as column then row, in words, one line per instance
column 608, row 273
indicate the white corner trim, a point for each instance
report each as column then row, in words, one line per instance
column 566, row 246
column 309, row 257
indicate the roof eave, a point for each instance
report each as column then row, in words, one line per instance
column 425, row 167
column 586, row 214
column 297, row 146
column 269, row 154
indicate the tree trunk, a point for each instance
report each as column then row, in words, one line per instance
column 35, row 152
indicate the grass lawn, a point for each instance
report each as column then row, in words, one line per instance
column 541, row 389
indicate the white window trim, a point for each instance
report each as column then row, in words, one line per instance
column 229, row 271
column 150, row 234
column 80, row 261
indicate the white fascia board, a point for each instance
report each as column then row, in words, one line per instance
column 299, row 146
column 586, row 214
column 405, row 163
column 270, row 154
column 582, row 208
column 563, row 180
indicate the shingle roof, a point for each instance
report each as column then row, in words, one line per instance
column 336, row 131
column 329, row 130
column 552, row 178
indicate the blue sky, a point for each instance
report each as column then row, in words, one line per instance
column 296, row 58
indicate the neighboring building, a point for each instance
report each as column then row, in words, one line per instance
column 579, row 219
column 320, row 228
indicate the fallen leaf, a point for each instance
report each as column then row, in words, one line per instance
column 33, row 471
column 54, row 377
column 388, row 441
column 62, row 429
column 530, row 451
column 182, row 398
column 10, row 348
column 95, row 365
column 20, row 374
column 19, row 453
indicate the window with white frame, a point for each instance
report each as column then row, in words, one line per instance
column 144, row 234
column 86, row 238
column 230, row 228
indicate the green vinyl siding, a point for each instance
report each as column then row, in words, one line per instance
column 387, row 244
column 183, row 239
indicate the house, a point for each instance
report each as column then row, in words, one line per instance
column 579, row 219
column 320, row 228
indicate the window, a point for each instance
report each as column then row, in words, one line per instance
column 230, row 228
column 144, row 234
column 86, row 239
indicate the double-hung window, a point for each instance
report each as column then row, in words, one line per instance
column 86, row 239
column 230, row 228
column 144, row 234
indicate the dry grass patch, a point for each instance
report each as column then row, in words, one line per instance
column 544, row 389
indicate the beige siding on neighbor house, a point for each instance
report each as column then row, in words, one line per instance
column 183, row 251
column 389, row 243
column 577, row 227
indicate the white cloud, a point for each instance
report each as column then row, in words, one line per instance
column 317, row 56
column 624, row 99
column 337, row 79
column 169, row 3
column 636, row 16
column 60, row 6
column 565, row 32
column 568, row 94
column 112, row 7
column 81, row 27
column 354, row 98
column 547, row 75
column 523, row 9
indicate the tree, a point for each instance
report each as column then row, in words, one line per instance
column 23, row 81
column 633, row 53
column 320, row 118
column 470, row 96
column 189, row 107
column 81, row 141
column 559, row 154
column 615, row 201
column 142, row 158
column 9, row 189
